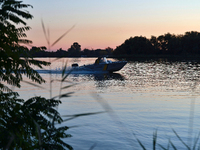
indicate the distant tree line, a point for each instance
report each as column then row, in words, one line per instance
column 73, row 51
column 167, row 44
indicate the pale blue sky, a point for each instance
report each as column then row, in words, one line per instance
column 104, row 23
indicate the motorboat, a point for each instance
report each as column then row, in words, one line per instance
column 101, row 65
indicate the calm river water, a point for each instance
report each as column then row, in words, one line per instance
column 140, row 99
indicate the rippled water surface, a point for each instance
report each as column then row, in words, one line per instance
column 140, row 99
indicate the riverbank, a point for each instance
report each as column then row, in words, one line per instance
column 193, row 58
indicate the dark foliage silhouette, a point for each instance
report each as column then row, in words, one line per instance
column 24, row 124
column 167, row 44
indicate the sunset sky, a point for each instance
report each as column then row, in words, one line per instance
column 108, row 23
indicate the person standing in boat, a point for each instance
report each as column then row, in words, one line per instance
column 97, row 61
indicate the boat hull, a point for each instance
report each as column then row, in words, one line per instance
column 106, row 67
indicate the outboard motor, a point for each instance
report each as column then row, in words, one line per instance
column 74, row 65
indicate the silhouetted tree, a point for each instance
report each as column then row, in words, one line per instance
column 75, row 49
column 136, row 45
column 156, row 45
column 37, row 51
column 191, row 42
column 167, row 44
column 61, row 53
column 109, row 51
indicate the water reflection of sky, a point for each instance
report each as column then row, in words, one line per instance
column 176, row 76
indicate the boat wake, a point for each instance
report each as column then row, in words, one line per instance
column 98, row 75
column 71, row 71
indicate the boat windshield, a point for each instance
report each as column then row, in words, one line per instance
column 104, row 60
column 101, row 60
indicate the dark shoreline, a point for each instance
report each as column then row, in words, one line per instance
column 143, row 58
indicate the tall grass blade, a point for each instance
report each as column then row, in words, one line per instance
column 48, row 36
column 66, row 95
column 196, row 141
column 65, row 87
column 64, row 69
column 181, row 139
column 56, row 59
column 139, row 142
column 63, row 79
column 63, row 35
column 79, row 115
column 162, row 147
column 154, row 140
column 102, row 102
column 63, row 95
column 34, row 84
column 168, row 144
column 174, row 147
column 113, row 116
column 76, row 126
column 83, row 114
column 93, row 146
column 45, row 34
column 198, row 147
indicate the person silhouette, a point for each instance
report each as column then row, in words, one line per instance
column 97, row 60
